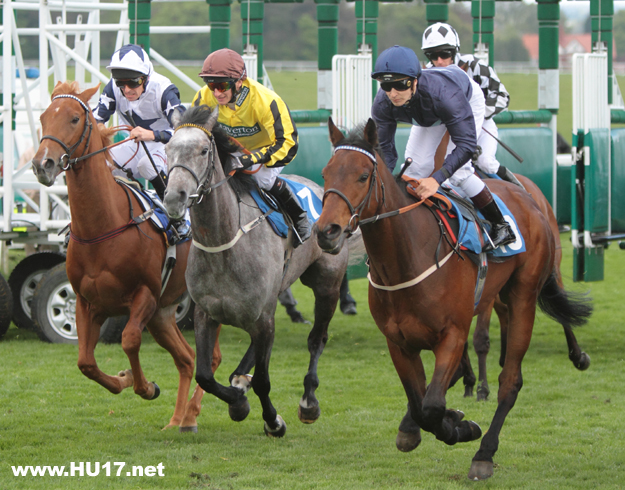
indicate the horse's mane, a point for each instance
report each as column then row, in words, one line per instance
column 73, row 88
column 225, row 144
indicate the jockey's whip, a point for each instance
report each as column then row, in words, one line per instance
column 506, row 147
column 128, row 116
column 407, row 164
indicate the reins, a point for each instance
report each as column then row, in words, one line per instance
column 67, row 157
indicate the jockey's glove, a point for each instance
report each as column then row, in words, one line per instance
column 247, row 161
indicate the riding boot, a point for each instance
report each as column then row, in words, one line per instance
column 347, row 302
column 500, row 231
column 508, row 176
column 289, row 202
column 159, row 182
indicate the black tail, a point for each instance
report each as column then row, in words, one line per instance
column 573, row 309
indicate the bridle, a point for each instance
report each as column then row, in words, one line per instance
column 203, row 184
column 354, row 220
column 69, row 162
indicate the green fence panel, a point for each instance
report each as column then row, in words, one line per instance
column 618, row 180
column 596, row 205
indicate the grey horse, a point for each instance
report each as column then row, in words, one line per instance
column 237, row 266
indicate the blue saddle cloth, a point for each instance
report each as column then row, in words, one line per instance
column 469, row 238
column 307, row 199
column 159, row 218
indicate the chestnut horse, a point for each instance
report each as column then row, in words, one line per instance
column 113, row 264
column 419, row 301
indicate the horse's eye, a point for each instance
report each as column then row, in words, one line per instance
column 204, row 150
column 363, row 178
column 75, row 120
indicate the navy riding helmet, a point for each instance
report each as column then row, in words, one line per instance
column 395, row 62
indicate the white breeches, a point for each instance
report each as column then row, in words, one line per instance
column 487, row 160
column 266, row 176
column 140, row 164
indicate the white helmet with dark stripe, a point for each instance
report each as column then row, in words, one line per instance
column 440, row 36
column 130, row 61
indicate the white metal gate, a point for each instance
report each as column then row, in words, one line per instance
column 351, row 89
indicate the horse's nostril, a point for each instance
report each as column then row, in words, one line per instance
column 49, row 164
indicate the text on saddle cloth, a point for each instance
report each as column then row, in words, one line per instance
column 149, row 200
column 307, row 198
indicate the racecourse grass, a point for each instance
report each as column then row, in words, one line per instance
column 565, row 431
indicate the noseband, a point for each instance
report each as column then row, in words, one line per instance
column 354, row 220
column 203, row 187
column 88, row 127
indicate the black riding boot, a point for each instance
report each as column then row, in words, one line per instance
column 159, row 182
column 500, row 231
column 289, row 202
column 347, row 302
column 508, row 176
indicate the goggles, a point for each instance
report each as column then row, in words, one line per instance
column 399, row 85
column 444, row 54
column 221, row 86
column 130, row 83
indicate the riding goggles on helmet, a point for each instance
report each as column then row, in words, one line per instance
column 399, row 85
column 444, row 54
column 221, row 86
column 130, row 83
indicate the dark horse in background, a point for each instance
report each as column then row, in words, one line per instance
column 237, row 266
column 421, row 291
column 114, row 263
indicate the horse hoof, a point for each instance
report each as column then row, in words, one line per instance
column 278, row 431
column 480, row 470
column 239, row 411
column 583, row 363
column 157, row 391
column 192, row 428
column 308, row 415
column 468, row 431
column 406, row 441
column 482, row 394
column 468, row 391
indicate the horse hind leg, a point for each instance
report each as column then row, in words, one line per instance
column 465, row 371
column 481, row 344
column 578, row 357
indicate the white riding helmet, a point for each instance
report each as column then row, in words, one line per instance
column 440, row 36
column 130, row 61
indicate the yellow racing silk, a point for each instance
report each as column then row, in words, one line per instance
column 260, row 121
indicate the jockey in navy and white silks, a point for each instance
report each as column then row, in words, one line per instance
column 441, row 45
column 145, row 99
column 434, row 101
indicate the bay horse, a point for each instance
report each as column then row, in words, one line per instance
column 113, row 264
column 481, row 341
column 237, row 266
column 419, row 301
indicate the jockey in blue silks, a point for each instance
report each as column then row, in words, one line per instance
column 435, row 101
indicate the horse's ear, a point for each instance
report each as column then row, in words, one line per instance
column 371, row 133
column 335, row 133
column 212, row 120
column 88, row 93
column 175, row 117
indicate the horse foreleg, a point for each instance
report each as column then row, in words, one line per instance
column 481, row 344
column 412, row 376
column 163, row 328
column 325, row 305
column 206, row 344
column 142, row 309
column 88, row 334
column 240, row 378
column 521, row 316
column 263, row 342
column 194, row 405
column 446, row 425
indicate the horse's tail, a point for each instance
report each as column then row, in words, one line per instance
column 569, row 308
column 356, row 246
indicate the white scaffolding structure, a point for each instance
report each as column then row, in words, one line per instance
column 29, row 98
